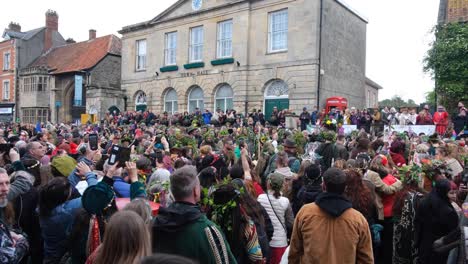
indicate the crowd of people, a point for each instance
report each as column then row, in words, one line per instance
column 226, row 188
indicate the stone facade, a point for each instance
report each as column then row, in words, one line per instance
column 103, row 90
column 253, row 70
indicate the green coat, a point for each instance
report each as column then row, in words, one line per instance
column 182, row 229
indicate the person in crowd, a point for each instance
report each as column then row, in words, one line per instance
column 305, row 118
column 342, row 152
column 397, row 152
column 327, row 150
column 14, row 246
column 435, row 218
column 330, row 230
column 243, row 225
column 207, row 117
column 404, row 117
column 362, row 146
column 182, row 229
column 440, row 120
column 406, row 205
column 424, row 117
column 280, row 212
column 360, row 196
column 114, row 249
column 309, row 186
column 35, row 151
column 460, row 121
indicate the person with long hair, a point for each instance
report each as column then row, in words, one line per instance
column 360, row 195
column 386, row 185
column 435, row 218
column 280, row 212
column 243, row 224
column 56, row 209
column 126, row 240
column 404, row 229
column 310, row 189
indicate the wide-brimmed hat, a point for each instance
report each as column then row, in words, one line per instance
column 288, row 143
column 191, row 129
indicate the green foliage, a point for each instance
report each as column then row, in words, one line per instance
column 397, row 101
column 447, row 62
column 410, row 174
column 431, row 98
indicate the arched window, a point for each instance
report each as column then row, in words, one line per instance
column 277, row 89
column 195, row 99
column 170, row 101
column 140, row 101
column 223, row 98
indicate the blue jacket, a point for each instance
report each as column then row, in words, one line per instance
column 121, row 187
column 56, row 227
column 207, row 118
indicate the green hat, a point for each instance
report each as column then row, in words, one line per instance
column 64, row 164
column 276, row 181
column 96, row 198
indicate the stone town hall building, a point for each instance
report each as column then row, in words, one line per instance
column 246, row 54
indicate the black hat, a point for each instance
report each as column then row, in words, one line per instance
column 288, row 143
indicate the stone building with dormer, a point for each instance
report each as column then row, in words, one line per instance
column 245, row 54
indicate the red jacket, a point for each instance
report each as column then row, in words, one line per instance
column 398, row 159
column 388, row 200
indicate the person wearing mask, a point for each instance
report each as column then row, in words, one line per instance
column 182, row 229
column 280, row 212
column 330, row 230
column 114, row 249
column 435, row 218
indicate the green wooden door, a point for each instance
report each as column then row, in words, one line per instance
column 141, row 107
column 271, row 103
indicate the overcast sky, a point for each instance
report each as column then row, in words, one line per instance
column 398, row 33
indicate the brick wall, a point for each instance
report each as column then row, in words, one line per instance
column 7, row 46
column 457, row 11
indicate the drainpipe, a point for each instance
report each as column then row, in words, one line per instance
column 319, row 76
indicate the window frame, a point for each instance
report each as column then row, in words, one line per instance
column 6, row 67
column 6, row 91
column 139, row 56
column 196, row 101
column 193, row 46
column 173, row 102
column 167, row 49
column 224, row 98
column 271, row 33
column 220, row 41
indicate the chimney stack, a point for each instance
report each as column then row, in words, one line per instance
column 51, row 27
column 92, row 34
column 52, row 20
column 14, row 27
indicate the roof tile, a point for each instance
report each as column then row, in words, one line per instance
column 79, row 56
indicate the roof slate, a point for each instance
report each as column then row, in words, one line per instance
column 79, row 56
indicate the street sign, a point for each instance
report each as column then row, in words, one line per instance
column 58, row 104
